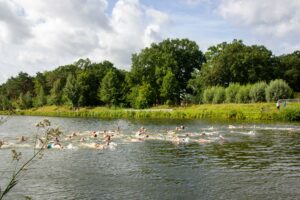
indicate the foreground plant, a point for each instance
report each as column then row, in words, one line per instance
column 48, row 133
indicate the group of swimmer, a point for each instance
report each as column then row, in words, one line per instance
column 102, row 139
column 55, row 143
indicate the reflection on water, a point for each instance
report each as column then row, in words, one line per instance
column 254, row 161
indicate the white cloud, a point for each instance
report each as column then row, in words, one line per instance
column 14, row 28
column 38, row 35
column 275, row 18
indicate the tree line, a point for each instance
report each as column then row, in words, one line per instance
column 170, row 72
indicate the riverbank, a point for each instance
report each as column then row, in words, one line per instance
column 255, row 112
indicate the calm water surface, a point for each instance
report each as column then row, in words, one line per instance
column 255, row 161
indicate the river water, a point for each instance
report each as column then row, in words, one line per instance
column 253, row 161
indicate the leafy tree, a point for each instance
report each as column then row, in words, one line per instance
column 72, row 91
column 56, row 93
column 89, row 80
column 219, row 95
column 141, row 96
column 231, row 92
column 290, row 69
column 19, row 84
column 196, row 87
column 145, row 96
column 257, row 92
column 208, row 95
column 109, row 91
column 237, row 63
column 41, row 98
column 151, row 65
column 25, row 101
column 169, row 89
column 278, row 89
column 5, row 104
column 40, row 82
column 243, row 95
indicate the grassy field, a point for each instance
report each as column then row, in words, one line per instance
column 253, row 112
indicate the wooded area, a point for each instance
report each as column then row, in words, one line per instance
column 171, row 72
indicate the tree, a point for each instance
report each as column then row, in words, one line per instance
column 237, row 63
column 243, row 95
column 25, row 101
column 5, row 104
column 72, row 91
column 278, row 89
column 169, row 90
column 19, row 84
column 41, row 98
column 231, row 92
column 145, row 96
column 89, row 80
column 56, row 93
column 257, row 92
column 290, row 69
column 109, row 90
column 180, row 56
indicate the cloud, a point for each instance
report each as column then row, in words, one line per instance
column 134, row 26
column 13, row 27
column 38, row 35
column 272, row 18
column 195, row 2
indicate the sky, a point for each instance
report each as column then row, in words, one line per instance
column 40, row 35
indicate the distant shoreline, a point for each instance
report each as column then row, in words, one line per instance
column 247, row 112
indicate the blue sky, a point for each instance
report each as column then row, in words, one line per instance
column 39, row 35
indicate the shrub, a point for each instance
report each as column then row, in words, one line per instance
column 219, row 94
column 243, row 94
column 278, row 89
column 208, row 95
column 258, row 92
column 231, row 92
column 291, row 114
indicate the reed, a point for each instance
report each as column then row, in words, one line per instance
column 254, row 111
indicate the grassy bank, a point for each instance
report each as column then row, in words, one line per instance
column 256, row 112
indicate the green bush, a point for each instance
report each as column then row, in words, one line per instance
column 258, row 92
column 208, row 95
column 291, row 114
column 278, row 89
column 219, row 94
column 243, row 95
column 231, row 92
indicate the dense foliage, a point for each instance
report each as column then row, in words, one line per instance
column 171, row 72
column 258, row 92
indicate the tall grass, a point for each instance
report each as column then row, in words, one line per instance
column 254, row 111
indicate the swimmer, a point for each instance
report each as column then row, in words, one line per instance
column 203, row 141
column 180, row 128
column 1, row 143
column 94, row 134
column 143, row 130
column 186, row 139
column 56, row 140
column 54, row 146
column 231, row 126
column 94, row 146
column 69, row 137
column 175, row 139
column 82, row 139
column 222, row 139
column 74, row 134
column 137, row 140
column 107, row 139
